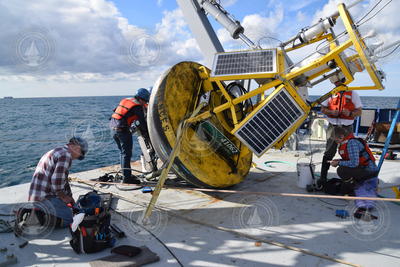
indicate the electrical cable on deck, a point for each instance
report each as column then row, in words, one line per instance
column 153, row 235
column 220, row 228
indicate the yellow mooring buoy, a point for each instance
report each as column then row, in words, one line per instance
column 209, row 156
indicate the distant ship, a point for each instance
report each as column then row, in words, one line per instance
column 8, row 97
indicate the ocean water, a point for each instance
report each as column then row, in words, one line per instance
column 29, row 127
column 375, row 102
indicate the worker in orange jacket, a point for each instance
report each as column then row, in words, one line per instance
column 341, row 110
column 127, row 112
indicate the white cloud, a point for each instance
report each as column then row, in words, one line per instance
column 175, row 39
column 257, row 27
column 301, row 16
column 297, row 5
column 89, row 40
column 227, row 3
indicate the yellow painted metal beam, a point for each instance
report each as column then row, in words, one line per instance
column 244, row 76
column 316, row 75
column 364, row 88
column 359, row 45
column 318, row 62
column 320, row 38
column 345, row 70
column 205, row 76
column 257, row 91
column 223, row 91
column 327, row 95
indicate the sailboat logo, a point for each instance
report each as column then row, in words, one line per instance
column 144, row 51
column 93, row 131
column 32, row 55
column 255, row 220
column 256, row 214
column 371, row 225
column 143, row 229
column 88, row 135
column 34, row 48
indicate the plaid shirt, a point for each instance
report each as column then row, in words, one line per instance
column 51, row 174
column 354, row 147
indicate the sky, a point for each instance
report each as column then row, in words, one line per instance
column 54, row 48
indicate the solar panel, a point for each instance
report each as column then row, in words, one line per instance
column 270, row 122
column 244, row 62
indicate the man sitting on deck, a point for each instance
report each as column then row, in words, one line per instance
column 356, row 168
column 49, row 183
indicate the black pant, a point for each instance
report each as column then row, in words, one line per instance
column 360, row 174
column 330, row 149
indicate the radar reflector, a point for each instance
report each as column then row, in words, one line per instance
column 244, row 63
column 270, row 121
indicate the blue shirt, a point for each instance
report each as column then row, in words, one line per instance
column 354, row 147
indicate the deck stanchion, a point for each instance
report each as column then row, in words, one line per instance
column 389, row 137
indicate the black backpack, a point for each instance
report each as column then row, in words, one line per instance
column 94, row 233
column 337, row 186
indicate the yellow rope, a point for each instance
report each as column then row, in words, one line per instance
column 248, row 192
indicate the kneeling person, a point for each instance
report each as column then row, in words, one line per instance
column 50, row 184
column 356, row 168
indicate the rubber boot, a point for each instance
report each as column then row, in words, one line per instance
column 324, row 172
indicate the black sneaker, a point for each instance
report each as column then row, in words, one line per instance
column 321, row 183
column 131, row 180
column 359, row 213
column 364, row 214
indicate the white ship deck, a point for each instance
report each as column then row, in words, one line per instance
column 189, row 220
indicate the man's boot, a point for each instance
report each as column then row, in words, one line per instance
column 324, row 173
column 131, row 180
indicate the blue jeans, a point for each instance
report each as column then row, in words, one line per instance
column 124, row 142
column 56, row 207
column 366, row 189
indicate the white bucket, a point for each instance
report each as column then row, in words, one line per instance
column 304, row 175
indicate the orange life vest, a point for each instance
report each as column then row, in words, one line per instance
column 340, row 101
column 344, row 153
column 123, row 108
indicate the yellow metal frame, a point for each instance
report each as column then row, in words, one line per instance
column 360, row 47
column 281, row 78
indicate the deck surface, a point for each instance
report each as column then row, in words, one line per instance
column 198, row 227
